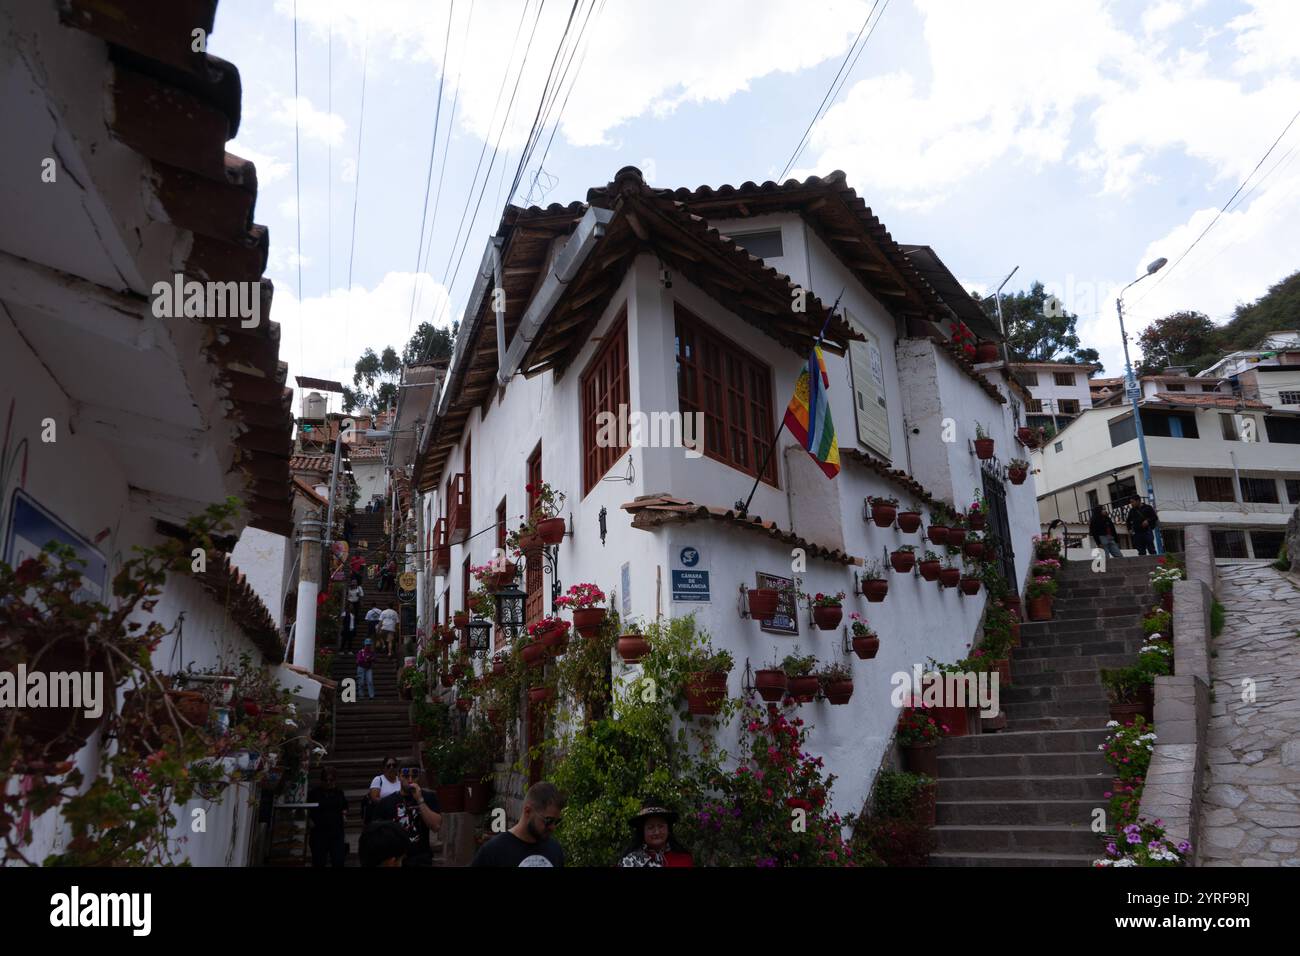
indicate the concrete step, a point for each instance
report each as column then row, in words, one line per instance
column 1022, row 764
column 1095, row 708
column 1004, row 812
column 1016, row 725
column 1081, row 653
column 958, row 789
column 1010, row 742
column 1027, row 669
column 1020, row 694
column 1075, row 678
column 1047, row 838
column 1012, row 859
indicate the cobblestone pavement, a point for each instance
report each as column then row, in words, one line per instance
column 1251, row 814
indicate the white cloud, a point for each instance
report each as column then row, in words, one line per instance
column 313, row 125
column 642, row 59
column 1167, row 13
column 269, row 168
column 1266, row 36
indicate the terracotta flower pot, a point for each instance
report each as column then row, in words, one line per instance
column 494, row 716
column 956, row 537
column 478, row 794
column 875, row 589
column 533, row 654
column 530, row 543
column 458, row 670
column 909, row 521
column 839, row 692
column 903, row 561
column 866, row 647
column 633, row 647
column 498, row 668
column 460, row 618
column 770, row 684
column 957, row 719
column 444, row 679
column 1028, row 437
column 463, row 704
column 1017, row 475
column 977, row 520
column 705, row 692
column 587, row 620
column 538, row 695
column 451, row 797
column 984, row 448
column 1015, row 633
column 803, row 689
column 949, row 577
column 938, row 534
column 930, row 570
column 762, row 602
column 551, row 530
column 500, row 580
column 883, row 515
column 986, row 352
column 1128, row 713
column 828, row 617
column 922, row 758
column 1040, row 608
column 1167, row 601
column 553, row 637
column 191, row 705
column 973, row 549
column 970, row 585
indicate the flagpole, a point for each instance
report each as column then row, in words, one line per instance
column 743, row 509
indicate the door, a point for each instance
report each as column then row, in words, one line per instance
column 995, row 499
column 533, row 604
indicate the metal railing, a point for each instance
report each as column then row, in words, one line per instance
column 1118, row 512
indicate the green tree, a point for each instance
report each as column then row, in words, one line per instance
column 1037, row 331
column 1183, row 338
column 376, row 377
column 428, row 343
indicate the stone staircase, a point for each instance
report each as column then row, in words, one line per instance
column 370, row 529
column 1026, row 796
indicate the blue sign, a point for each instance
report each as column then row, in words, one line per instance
column 32, row 527
column 690, row 557
column 690, row 585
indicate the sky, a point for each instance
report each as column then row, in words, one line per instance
column 1074, row 141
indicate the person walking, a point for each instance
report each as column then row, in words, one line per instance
column 384, row 784
column 415, row 812
column 529, row 842
column 372, row 622
column 388, row 580
column 653, row 844
column 347, row 629
column 328, row 821
column 1102, row 529
column 355, row 594
column 389, row 627
column 366, row 669
column 1142, row 523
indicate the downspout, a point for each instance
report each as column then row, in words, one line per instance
column 499, row 307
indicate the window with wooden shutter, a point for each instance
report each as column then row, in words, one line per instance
column 732, row 389
column 869, row 405
column 533, row 603
column 604, row 387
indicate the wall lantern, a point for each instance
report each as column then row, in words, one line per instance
column 510, row 610
column 479, row 633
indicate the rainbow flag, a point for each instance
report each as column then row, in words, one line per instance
column 809, row 415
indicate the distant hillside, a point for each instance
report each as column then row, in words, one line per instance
column 1276, row 310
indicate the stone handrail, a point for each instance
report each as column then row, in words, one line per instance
column 1175, row 779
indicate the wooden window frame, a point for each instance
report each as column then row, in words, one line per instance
column 756, row 395
column 1212, row 488
column 597, row 462
column 1065, row 379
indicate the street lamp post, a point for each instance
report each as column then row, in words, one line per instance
column 1002, row 325
column 1135, row 392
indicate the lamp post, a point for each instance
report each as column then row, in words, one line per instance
column 1135, row 392
column 1002, row 325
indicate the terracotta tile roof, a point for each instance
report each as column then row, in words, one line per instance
column 1207, row 400
column 650, row 511
column 900, row 478
column 177, row 108
column 365, row 451
column 308, row 490
column 316, row 463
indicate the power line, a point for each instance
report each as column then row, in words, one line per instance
column 356, row 192
column 1221, row 211
column 428, row 176
column 297, row 186
column 845, row 69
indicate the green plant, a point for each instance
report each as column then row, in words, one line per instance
column 1157, row 621
column 582, row 675
column 897, row 793
column 1218, row 617
column 799, row 665
column 859, row 626
column 1042, row 586
column 1018, row 464
column 916, row 728
column 929, row 556
column 1163, row 578
column 834, row 673
column 823, row 600
column 980, row 431
column 906, row 547
column 872, row 571
column 884, row 501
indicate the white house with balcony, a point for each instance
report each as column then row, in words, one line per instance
column 1216, row 459
column 709, row 302
column 1269, row 373
column 1059, row 390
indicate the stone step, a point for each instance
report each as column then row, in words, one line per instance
column 1021, row 694
column 1045, row 838
column 1075, row 678
column 1027, row 669
column 1017, row 725
column 1082, row 654
column 1012, row 859
column 1095, row 708
column 1023, row 788
column 1011, row 742
column 1093, row 623
column 1077, row 763
column 1031, row 812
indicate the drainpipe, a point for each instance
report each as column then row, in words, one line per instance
column 499, row 307
column 309, row 573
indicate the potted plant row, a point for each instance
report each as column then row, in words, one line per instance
column 584, row 600
column 865, row 641
column 874, row 585
column 828, row 609
column 1017, row 471
column 983, row 443
column 1039, row 595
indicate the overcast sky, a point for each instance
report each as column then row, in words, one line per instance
column 1076, row 140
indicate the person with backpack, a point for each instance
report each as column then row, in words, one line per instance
column 1142, row 523
column 366, row 669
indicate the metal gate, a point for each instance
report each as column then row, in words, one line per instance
column 995, row 500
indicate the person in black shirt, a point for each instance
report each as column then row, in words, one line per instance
column 1102, row 529
column 529, row 842
column 1142, row 522
column 411, row 810
column 328, row 820
column 382, row 843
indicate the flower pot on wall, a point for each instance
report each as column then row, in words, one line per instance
column 633, row 647
column 1017, row 475
column 903, row 561
column 533, row 654
column 977, row 520
column 705, row 692
column 1040, row 608
column 587, row 620
column 922, row 758
column 803, row 689
column 938, row 534
column 984, row 448
column 883, row 515
column 930, row 570
column 460, row 618
column 530, row 543
column 762, row 602
column 770, row 684
column 957, row 720
column 866, row 647
column 1028, row 437
column 949, row 577
column 828, row 617
column 986, row 352
column 551, row 530
column 909, row 521
column 839, row 692
column 463, row 704
column 875, row 589
column 970, row 585
column 956, row 537
column 539, row 695
column 973, row 549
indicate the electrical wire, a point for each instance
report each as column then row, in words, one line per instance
column 356, row 192
column 297, row 185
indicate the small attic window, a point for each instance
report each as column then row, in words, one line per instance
column 765, row 245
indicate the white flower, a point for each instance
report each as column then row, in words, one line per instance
column 1112, row 723
column 1126, row 861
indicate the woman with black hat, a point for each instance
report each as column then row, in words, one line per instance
column 654, row 844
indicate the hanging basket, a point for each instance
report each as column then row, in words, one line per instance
column 763, row 603
column 909, row 521
column 460, row 619
column 977, row 520
column 973, row 549
column 883, row 515
column 1028, row 437
column 1017, row 476
column 551, row 530
column 938, row 534
column 502, row 579
column 803, row 689
column 949, row 577
column 875, row 589
column 539, row 695
column 530, row 543
column 705, row 692
column 533, row 654
column 839, row 692
column 984, row 448
column 587, row 620
column 828, row 617
column 956, row 537
column 632, row 647
column 970, row 585
column 986, row 352
column 463, row 704
column 903, row 561
column 770, row 684
column 930, row 570
column 866, row 647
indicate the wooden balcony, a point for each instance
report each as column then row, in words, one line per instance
column 440, row 557
column 458, row 509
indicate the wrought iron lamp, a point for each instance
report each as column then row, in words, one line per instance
column 510, row 610
column 479, row 633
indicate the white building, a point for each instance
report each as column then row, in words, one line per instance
column 647, row 299
column 1060, row 391
column 1270, row 373
column 119, row 424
